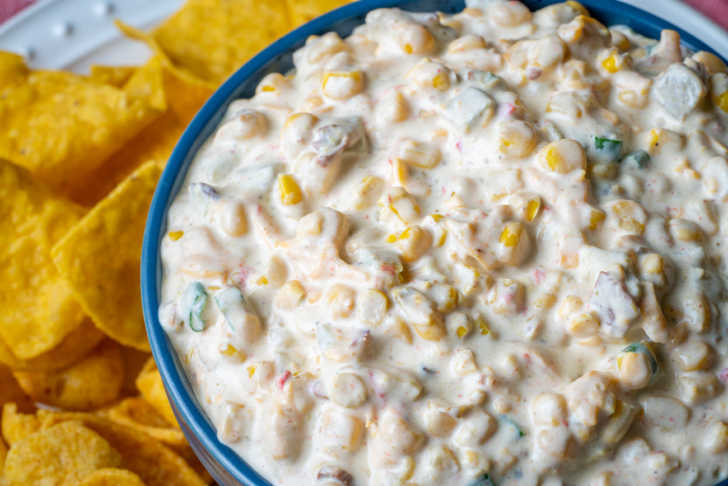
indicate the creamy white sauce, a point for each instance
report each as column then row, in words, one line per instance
column 451, row 246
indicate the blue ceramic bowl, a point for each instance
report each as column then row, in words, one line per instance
column 222, row 462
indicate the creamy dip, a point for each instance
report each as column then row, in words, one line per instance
column 485, row 248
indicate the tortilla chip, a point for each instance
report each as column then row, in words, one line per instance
column 112, row 477
column 213, row 38
column 10, row 391
column 100, row 256
column 77, row 344
column 111, row 75
column 61, row 126
column 3, row 453
column 149, row 383
column 156, row 464
column 139, row 415
column 134, row 361
column 60, row 455
column 12, row 68
column 301, row 11
column 92, row 382
column 39, row 309
column 17, row 426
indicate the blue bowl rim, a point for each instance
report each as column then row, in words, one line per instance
column 184, row 403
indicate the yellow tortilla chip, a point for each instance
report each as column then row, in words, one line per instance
column 77, row 344
column 112, row 477
column 111, row 75
column 212, row 38
column 92, row 382
column 61, row 126
column 60, row 455
column 301, row 11
column 12, row 68
column 17, row 426
column 106, row 284
column 39, row 309
column 10, row 391
column 3, row 453
column 149, row 383
column 139, row 415
column 134, row 361
column 156, row 464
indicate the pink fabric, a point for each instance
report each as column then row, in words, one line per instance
column 8, row 8
column 716, row 10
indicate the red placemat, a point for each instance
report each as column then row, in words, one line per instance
column 8, row 8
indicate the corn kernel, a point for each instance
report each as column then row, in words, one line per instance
column 611, row 63
column 533, row 207
column 372, row 306
column 630, row 216
column 289, row 190
column 462, row 331
column 175, row 235
column 686, row 231
column 569, row 306
column 563, row 156
column 583, row 325
column 368, row 192
column 511, row 235
column 436, row 217
column 578, row 7
column 516, row 139
column 262, row 281
column 290, row 295
column 545, row 301
column 483, row 327
column 414, row 242
column 400, row 330
column 342, row 85
column 341, row 300
column 408, row 48
column 723, row 101
column 596, row 218
column 251, row 371
column 419, row 154
column 400, row 172
column 652, row 263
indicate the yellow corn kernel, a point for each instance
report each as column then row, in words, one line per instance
column 516, row 139
column 232, row 352
column 630, row 216
column 341, row 85
column 583, row 325
column 596, row 218
column 251, row 371
column 483, row 327
column 401, row 204
column 372, row 305
column 370, row 188
column 436, row 217
column 563, row 156
column 271, row 83
column 419, row 154
column 722, row 101
column 553, row 158
column 408, row 48
column 545, row 301
column 400, row 172
column 341, row 300
column 175, row 235
column 466, row 43
column 462, row 331
column 262, row 280
column 511, row 235
column 290, row 295
column 440, row 82
column 685, row 230
column 533, row 207
column 578, row 7
column 569, row 306
column 432, row 330
column 652, row 263
column 400, row 330
column 413, row 242
column 289, row 190
column 612, row 63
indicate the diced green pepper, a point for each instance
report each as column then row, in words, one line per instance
column 482, row 480
column 639, row 159
column 608, row 149
column 231, row 303
column 646, row 350
column 194, row 301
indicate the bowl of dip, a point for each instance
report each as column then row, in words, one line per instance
column 203, row 301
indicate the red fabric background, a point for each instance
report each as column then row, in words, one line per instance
column 717, row 10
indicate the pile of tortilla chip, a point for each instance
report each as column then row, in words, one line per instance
column 80, row 155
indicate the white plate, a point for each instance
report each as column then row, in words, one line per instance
column 73, row 34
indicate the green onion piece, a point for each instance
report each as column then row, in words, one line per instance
column 608, row 148
column 194, row 301
column 645, row 349
column 639, row 159
column 508, row 420
column 482, row 480
column 231, row 303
